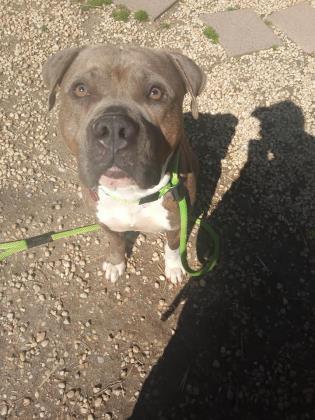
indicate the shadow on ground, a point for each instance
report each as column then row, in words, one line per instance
column 244, row 346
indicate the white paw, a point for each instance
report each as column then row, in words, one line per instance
column 113, row 271
column 174, row 269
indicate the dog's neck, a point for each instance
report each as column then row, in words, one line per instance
column 134, row 192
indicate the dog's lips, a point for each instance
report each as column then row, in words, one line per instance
column 115, row 177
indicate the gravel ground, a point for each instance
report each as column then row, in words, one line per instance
column 238, row 343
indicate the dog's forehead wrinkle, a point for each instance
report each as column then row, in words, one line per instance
column 128, row 59
column 92, row 73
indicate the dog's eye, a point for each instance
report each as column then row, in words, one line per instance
column 155, row 93
column 81, row 90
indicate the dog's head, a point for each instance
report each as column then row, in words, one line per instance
column 121, row 109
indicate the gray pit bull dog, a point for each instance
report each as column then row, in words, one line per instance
column 121, row 116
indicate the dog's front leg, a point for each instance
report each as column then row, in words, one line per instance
column 114, row 264
column 174, row 269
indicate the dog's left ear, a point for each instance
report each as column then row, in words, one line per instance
column 193, row 77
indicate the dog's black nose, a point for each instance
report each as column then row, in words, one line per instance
column 115, row 130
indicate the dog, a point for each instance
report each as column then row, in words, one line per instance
column 121, row 116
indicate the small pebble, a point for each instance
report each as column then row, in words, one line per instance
column 44, row 343
column 10, row 316
column 96, row 389
column 84, row 410
column 135, row 349
column 98, row 402
column 70, row 394
column 26, row 401
column 3, row 410
column 40, row 336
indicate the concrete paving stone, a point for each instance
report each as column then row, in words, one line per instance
column 298, row 23
column 241, row 31
column 154, row 8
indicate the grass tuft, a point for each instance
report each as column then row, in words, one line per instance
column 98, row 3
column 121, row 13
column 90, row 4
column 165, row 25
column 141, row 16
column 231, row 8
column 211, row 34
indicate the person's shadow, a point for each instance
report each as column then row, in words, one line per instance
column 244, row 346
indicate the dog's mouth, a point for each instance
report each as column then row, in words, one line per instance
column 115, row 177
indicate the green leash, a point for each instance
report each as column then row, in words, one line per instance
column 11, row 248
column 183, row 211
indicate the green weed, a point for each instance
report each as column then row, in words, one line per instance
column 141, row 16
column 121, row 13
column 211, row 34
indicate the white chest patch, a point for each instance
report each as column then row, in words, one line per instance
column 120, row 216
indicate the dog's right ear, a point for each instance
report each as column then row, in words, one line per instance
column 55, row 68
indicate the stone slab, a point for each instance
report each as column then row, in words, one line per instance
column 241, row 31
column 298, row 23
column 154, row 8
